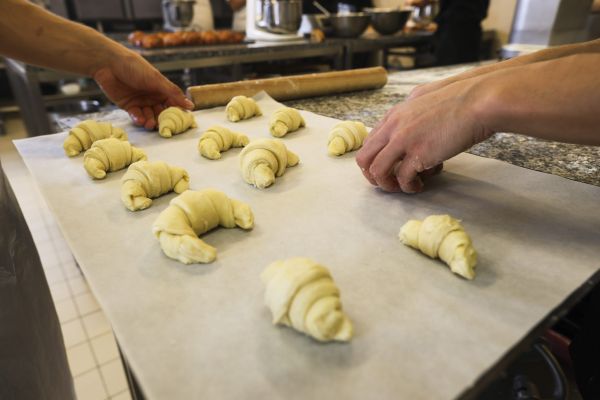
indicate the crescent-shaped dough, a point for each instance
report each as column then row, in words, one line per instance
column 82, row 136
column 193, row 213
column 264, row 159
column 302, row 294
column 145, row 180
column 444, row 237
column 109, row 155
column 346, row 136
column 284, row 121
column 241, row 107
column 174, row 120
column 217, row 139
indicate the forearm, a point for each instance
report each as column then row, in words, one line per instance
column 33, row 35
column 539, row 56
column 555, row 100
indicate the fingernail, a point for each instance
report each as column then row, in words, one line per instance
column 189, row 103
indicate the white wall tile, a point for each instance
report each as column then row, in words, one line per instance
column 122, row 396
column 71, row 269
column 78, row 285
column 73, row 333
column 54, row 274
column 60, row 291
column 86, row 303
column 114, row 377
column 105, row 348
column 89, row 386
column 96, row 324
column 80, row 359
column 50, row 260
column 66, row 311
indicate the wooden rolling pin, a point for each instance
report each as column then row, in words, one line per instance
column 290, row 87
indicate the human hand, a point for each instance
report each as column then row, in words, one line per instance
column 416, row 136
column 137, row 87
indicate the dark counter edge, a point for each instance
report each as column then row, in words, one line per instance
column 489, row 376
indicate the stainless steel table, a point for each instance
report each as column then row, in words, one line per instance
column 26, row 79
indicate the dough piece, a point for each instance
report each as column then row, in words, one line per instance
column 242, row 107
column 109, row 155
column 87, row 132
column 264, row 159
column 145, row 180
column 284, row 121
column 193, row 213
column 346, row 136
column 217, row 139
column 174, row 120
column 444, row 237
column 301, row 294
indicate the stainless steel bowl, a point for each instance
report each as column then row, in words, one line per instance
column 388, row 21
column 424, row 15
column 279, row 16
column 178, row 14
column 348, row 25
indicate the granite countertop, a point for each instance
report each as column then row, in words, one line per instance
column 576, row 162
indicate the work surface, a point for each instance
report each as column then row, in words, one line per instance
column 420, row 331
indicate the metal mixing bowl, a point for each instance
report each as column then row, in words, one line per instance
column 277, row 16
column 348, row 25
column 388, row 21
column 178, row 13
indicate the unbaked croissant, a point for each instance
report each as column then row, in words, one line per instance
column 264, row 159
column 444, row 237
column 284, row 121
column 193, row 213
column 109, row 155
column 217, row 139
column 145, row 180
column 87, row 132
column 302, row 294
column 174, row 120
column 346, row 136
column 241, row 107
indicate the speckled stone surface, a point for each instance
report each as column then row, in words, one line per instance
column 580, row 163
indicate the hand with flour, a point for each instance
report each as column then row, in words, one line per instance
column 549, row 98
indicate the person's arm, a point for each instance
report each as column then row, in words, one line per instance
column 542, row 55
column 555, row 100
column 31, row 34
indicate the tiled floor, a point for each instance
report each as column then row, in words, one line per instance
column 89, row 342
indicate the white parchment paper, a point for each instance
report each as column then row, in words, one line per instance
column 202, row 331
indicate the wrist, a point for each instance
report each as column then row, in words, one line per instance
column 109, row 53
column 484, row 103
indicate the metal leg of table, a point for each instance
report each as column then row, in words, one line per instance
column 26, row 89
column 237, row 72
column 348, row 55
